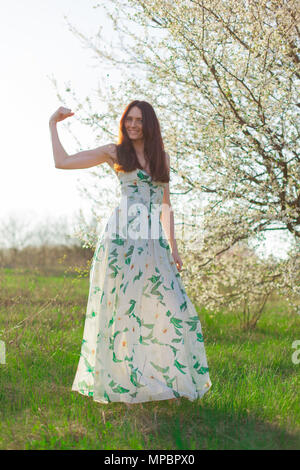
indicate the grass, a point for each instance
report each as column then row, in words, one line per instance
column 253, row 402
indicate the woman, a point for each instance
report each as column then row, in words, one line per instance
column 142, row 337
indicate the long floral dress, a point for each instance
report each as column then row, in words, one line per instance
column 142, row 338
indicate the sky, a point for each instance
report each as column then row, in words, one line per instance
column 35, row 44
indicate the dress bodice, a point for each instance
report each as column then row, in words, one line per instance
column 140, row 206
column 138, row 187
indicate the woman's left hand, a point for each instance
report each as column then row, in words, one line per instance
column 177, row 260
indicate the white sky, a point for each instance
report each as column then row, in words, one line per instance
column 35, row 43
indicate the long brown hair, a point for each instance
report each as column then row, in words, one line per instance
column 153, row 145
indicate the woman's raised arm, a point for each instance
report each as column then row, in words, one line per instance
column 84, row 159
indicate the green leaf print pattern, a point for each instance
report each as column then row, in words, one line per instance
column 142, row 338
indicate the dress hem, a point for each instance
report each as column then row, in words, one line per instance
column 106, row 402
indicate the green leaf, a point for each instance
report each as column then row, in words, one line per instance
column 178, row 332
column 203, row 370
column 154, row 279
column 111, row 321
column 169, row 381
column 150, row 326
column 131, row 308
column 125, row 287
column 155, row 341
column 160, row 369
column 138, row 276
column 192, row 324
column 142, row 176
column 133, row 379
column 179, row 366
column 120, row 389
column 176, row 322
column 115, row 359
column 173, row 349
column 83, row 385
column 88, row 366
column 142, row 341
column 200, row 337
column 119, row 241
column 163, row 243
column 149, row 336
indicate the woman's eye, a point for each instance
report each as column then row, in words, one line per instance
column 138, row 120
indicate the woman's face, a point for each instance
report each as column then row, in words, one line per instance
column 134, row 123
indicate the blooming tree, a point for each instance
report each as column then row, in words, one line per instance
column 223, row 77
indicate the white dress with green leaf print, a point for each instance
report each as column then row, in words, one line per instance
column 142, row 338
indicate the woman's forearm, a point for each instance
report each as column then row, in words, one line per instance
column 167, row 219
column 59, row 153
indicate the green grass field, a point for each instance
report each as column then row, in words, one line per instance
column 253, row 402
